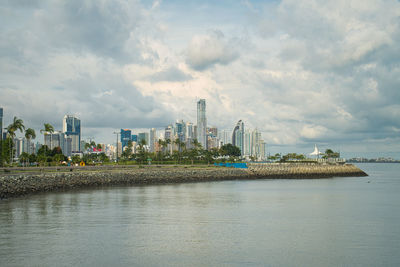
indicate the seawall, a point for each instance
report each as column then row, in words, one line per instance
column 12, row 185
column 304, row 170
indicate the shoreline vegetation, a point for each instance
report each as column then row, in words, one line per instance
column 24, row 181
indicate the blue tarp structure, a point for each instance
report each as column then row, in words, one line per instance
column 232, row 165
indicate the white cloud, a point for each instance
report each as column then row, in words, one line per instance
column 299, row 71
column 312, row 131
column 206, row 50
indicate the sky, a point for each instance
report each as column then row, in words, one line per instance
column 301, row 72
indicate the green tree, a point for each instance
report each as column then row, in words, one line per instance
column 141, row 156
column 30, row 134
column 42, row 159
column 56, row 151
column 58, row 158
column 44, row 150
column 87, row 146
column 193, row 154
column 16, row 125
column 47, row 129
column 75, row 159
column 103, row 157
column 23, row 158
column 329, row 153
column 6, row 150
column 181, row 145
column 127, row 153
column 230, row 150
column 32, row 158
column 196, row 144
column 208, row 156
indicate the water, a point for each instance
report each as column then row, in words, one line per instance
column 322, row 222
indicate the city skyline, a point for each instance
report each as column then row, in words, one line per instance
column 300, row 72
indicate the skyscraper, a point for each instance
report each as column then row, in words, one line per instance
column 225, row 136
column 202, row 123
column 126, row 136
column 168, row 133
column 189, row 130
column 180, row 130
column 238, row 136
column 153, row 139
column 56, row 139
column 72, row 129
column 145, row 137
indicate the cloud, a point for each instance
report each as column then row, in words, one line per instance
column 68, row 58
column 171, row 74
column 302, row 72
column 204, row 51
column 312, row 131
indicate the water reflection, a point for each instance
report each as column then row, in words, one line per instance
column 343, row 221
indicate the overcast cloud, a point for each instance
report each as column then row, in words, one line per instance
column 302, row 72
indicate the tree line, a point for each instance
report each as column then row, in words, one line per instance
column 44, row 154
column 182, row 155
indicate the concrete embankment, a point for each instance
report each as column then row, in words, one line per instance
column 25, row 183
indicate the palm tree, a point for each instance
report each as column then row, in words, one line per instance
column 24, row 158
column 162, row 144
column 178, row 143
column 196, row 144
column 29, row 134
column 17, row 124
column 48, row 128
column 167, row 142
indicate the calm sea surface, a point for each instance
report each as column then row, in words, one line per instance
column 320, row 222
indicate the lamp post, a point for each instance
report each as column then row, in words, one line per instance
column 116, row 158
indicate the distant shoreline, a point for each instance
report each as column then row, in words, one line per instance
column 371, row 161
column 19, row 184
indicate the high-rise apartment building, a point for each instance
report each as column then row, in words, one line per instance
column 202, row 123
column 247, row 143
column 153, row 139
column 72, row 129
column 180, row 130
column 189, row 130
column 126, row 136
column 56, row 139
column 225, row 136
column 256, row 144
column 168, row 135
column 238, row 136
column 195, row 132
column 145, row 137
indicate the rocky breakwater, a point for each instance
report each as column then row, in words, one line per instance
column 12, row 185
column 303, row 170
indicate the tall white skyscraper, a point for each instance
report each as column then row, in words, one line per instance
column 189, row 130
column 202, row 123
column 238, row 136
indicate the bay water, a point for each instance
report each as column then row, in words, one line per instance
column 347, row 221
